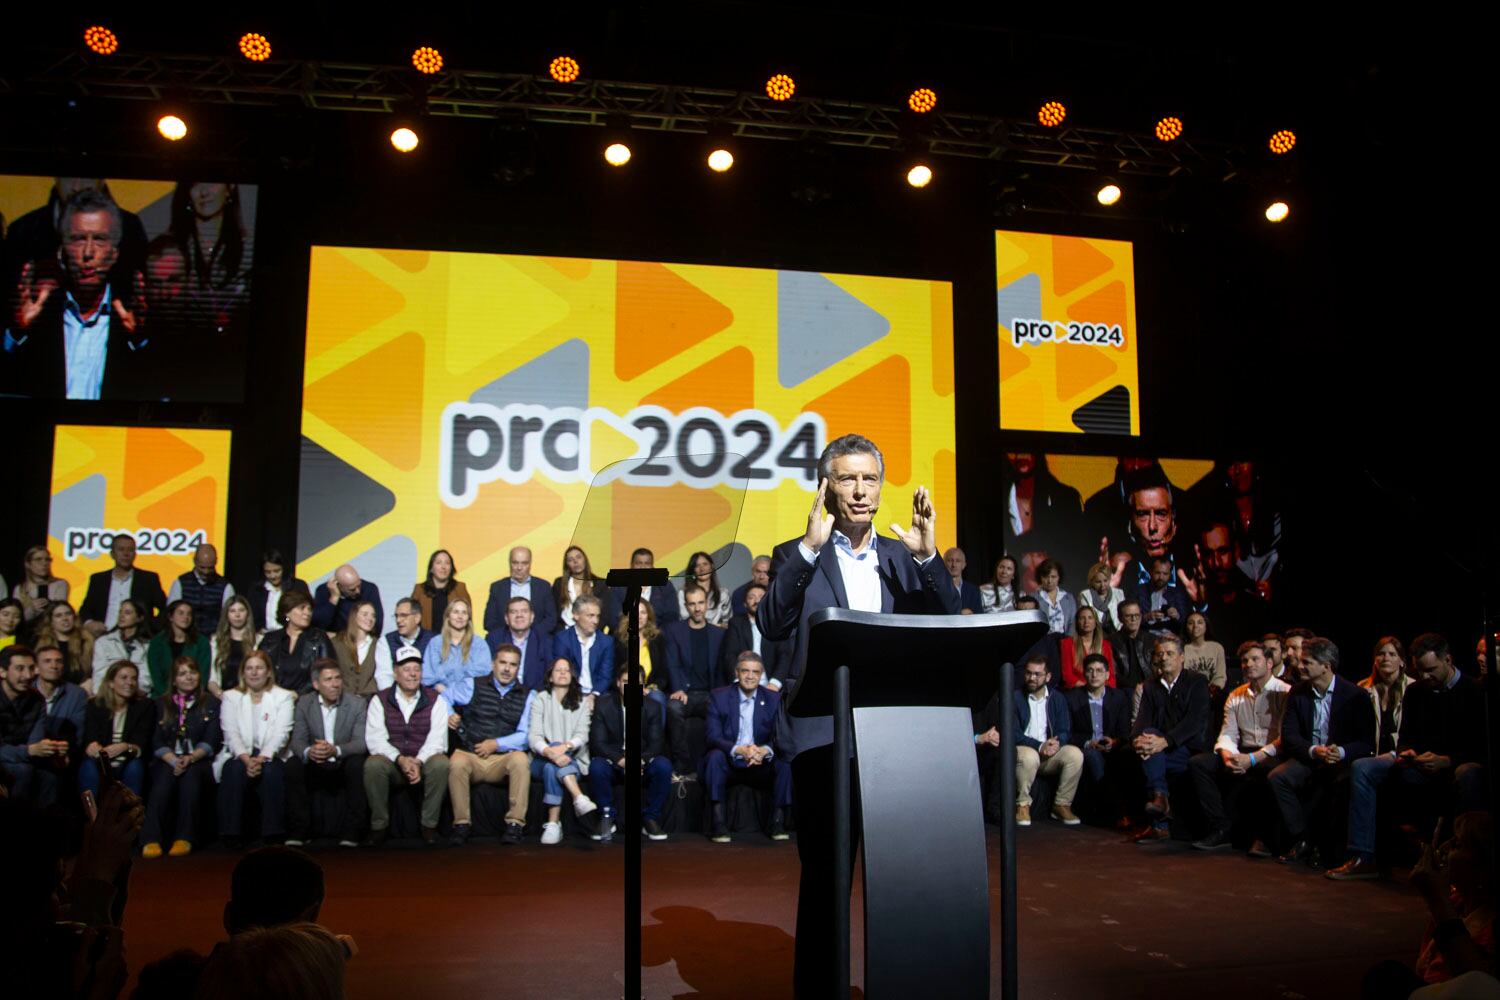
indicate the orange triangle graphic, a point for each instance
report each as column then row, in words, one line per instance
column 1080, row 368
column 670, row 518
column 726, row 383
column 376, row 399
column 500, row 516
column 153, row 457
column 572, row 268
column 1107, row 305
column 344, row 300
column 411, row 261
column 1075, row 262
column 658, row 315
column 188, row 509
column 877, row 404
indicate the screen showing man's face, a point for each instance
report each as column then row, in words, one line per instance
column 1217, row 548
column 89, row 250
column 1152, row 517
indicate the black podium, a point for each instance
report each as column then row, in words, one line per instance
column 900, row 688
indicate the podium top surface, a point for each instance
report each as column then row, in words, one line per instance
column 909, row 659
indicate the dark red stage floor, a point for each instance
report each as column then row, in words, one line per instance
column 1098, row 916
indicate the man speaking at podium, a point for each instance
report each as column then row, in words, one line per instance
column 840, row 562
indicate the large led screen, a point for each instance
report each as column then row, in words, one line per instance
column 1067, row 334
column 125, row 289
column 465, row 401
column 165, row 486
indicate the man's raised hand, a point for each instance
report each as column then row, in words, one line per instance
column 32, row 294
column 819, row 522
column 920, row 539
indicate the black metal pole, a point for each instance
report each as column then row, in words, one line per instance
column 841, row 837
column 1010, row 985
column 634, row 691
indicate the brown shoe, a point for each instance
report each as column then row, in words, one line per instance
column 1152, row 835
column 1259, row 849
column 1065, row 814
column 1023, row 815
column 1355, row 868
column 1157, row 805
column 429, row 834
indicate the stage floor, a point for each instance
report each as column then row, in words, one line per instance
column 1098, row 916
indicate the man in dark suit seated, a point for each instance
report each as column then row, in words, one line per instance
column 743, row 633
column 839, row 561
column 692, row 654
column 663, row 599
column 521, row 583
column 969, row 601
column 521, row 632
column 760, row 576
column 328, row 754
column 1132, row 647
column 607, row 761
column 1046, row 647
column 1168, row 730
column 1043, row 746
column 1328, row 725
column 1163, row 606
column 591, row 652
column 336, row 599
column 1099, row 725
column 741, row 721
column 107, row 588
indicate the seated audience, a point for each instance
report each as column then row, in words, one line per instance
column 662, row 599
column 1168, row 730
column 1131, row 645
column 10, row 621
column 591, row 652
column 520, row 583
column 522, row 631
column 230, row 644
column 744, row 634
column 66, row 702
column 264, row 594
column 336, row 599
column 558, row 734
column 408, row 633
column 1202, row 655
column 653, row 652
column 441, row 586
column 1387, row 685
column 607, row 761
column 1056, row 603
column 204, row 589
column 1043, row 747
column 741, row 724
column 1163, row 606
column 692, row 657
column 128, row 640
column 701, row 571
column 117, row 725
column 1099, row 725
column 38, row 588
column 256, row 719
column 290, row 962
column 59, row 627
column 1244, row 751
column 406, row 736
column 489, row 745
column 180, row 637
column 760, row 576
column 107, row 588
column 1103, row 596
column 999, row 594
column 327, row 757
column 296, row 645
column 1440, row 749
column 1047, row 647
column 577, row 580
column 969, row 600
column 1327, row 726
column 184, row 742
column 354, row 650
column 1087, row 640
column 29, row 761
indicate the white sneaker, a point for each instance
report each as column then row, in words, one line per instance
column 348, row 843
column 583, row 805
column 552, row 833
column 294, row 842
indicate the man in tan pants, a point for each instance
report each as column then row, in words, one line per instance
column 491, row 730
column 1042, row 747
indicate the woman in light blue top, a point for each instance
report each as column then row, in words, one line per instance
column 457, row 656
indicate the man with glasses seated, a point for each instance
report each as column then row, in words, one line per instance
column 409, row 634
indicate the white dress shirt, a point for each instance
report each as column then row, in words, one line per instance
column 119, row 590
column 1252, row 721
column 860, row 570
column 585, row 675
column 746, row 734
column 378, row 738
column 85, row 346
column 1036, row 722
column 330, row 719
column 1322, row 707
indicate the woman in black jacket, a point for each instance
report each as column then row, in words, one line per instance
column 653, row 653
column 117, row 724
column 295, row 645
column 182, row 749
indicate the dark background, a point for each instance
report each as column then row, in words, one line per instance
column 1347, row 347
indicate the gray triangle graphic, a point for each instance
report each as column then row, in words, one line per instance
column 558, row 378
column 333, row 499
column 1106, row 413
column 391, row 565
column 818, row 324
column 1021, row 299
column 79, row 506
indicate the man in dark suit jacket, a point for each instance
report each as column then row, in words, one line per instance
column 692, row 660
column 760, row 576
column 519, row 629
column 1328, row 725
column 1164, row 608
column 839, row 562
column 969, row 602
column 607, row 761
column 1044, row 744
column 601, row 648
column 743, row 633
column 336, row 599
column 1169, row 729
column 663, row 599
column 140, row 584
column 741, row 722
column 521, row 583
column 1099, row 725
column 332, row 763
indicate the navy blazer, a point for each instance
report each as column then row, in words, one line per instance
column 1059, row 722
column 1187, row 703
column 145, row 586
column 601, row 658
column 534, row 661
column 1351, row 724
column 724, row 718
column 1172, row 597
column 679, row 643
column 543, row 607
column 663, row 602
column 1116, row 715
column 799, row 589
column 737, row 639
column 335, row 618
column 256, row 595
column 969, row 599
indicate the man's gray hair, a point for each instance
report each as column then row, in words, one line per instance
column 90, row 200
column 749, row 656
column 584, row 600
column 849, row 444
column 1169, row 639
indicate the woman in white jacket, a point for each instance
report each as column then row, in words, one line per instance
column 127, row 641
column 256, row 718
column 558, row 733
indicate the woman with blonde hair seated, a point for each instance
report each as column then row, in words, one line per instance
column 117, row 726
column 457, row 656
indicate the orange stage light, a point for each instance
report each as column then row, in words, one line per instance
column 1168, row 128
column 1282, row 142
column 404, row 139
column 1052, row 114
column 564, row 69
column 780, row 87
column 1277, row 211
column 919, row 176
column 255, row 47
column 171, row 127
column 427, row 60
column 101, row 40
column 617, row 154
column 922, row 100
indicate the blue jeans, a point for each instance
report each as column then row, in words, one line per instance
column 1158, row 766
column 552, row 776
column 132, row 776
column 603, row 776
column 1368, row 774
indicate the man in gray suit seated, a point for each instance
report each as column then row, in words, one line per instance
column 328, row 756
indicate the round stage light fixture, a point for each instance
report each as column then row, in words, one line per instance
column 427, row 60
column 617, row 154
column 919, row 176
column 1277, row 211
column 1109, row 192
column 1282, row 141
column 255, row 47
column 171, row 127
column 101, row 40
column 564, row 69
column 1052, row 114
column 1169, row 128
column 922, row 100
column 720, row 160
column 781, row 87
column 404, row 139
